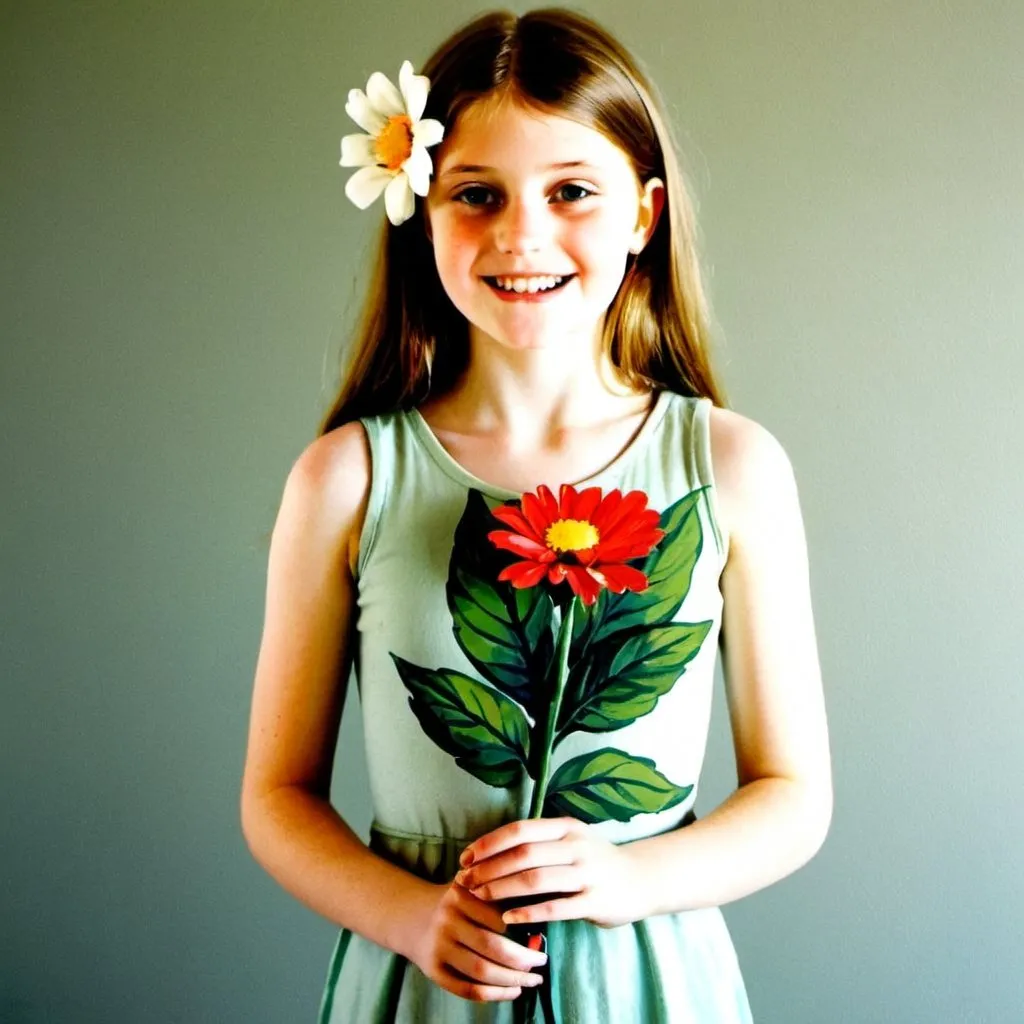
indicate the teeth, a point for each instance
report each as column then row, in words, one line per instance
column 527, row 284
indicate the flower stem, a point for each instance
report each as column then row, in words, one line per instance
column 544, row 771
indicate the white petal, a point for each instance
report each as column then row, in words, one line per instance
column 398, row 200
column 386, row 99
column 428, row 132
column 414, row 90
column 358, row 151
column 366, row 184
column 419, row 167
column 361, row 111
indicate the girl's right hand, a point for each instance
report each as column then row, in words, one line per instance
column 458, row 947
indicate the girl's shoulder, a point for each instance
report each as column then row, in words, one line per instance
column 751, row 469
column 328, row 487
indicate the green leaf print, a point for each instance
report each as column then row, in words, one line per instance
column 610, row 783
column 598, row 631
column 486, row 732
column 669, row 572
column 506, row 633
column 625, row 685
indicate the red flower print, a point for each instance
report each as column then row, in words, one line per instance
column 583, row 538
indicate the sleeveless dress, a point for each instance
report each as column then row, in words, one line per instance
column 676, row 968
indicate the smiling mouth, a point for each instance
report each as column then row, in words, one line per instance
column 534, row 289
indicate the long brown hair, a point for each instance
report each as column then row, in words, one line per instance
column 656, row 329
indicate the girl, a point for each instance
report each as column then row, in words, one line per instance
column 536, row 320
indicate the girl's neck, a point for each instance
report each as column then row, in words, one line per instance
column 530, row 395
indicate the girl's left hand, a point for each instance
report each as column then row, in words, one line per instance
column 594, row 877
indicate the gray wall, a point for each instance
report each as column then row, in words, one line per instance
column 179, row 269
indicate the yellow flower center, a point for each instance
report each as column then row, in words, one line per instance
column 394, row 144
column 571, row 535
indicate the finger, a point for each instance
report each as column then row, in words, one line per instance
column 527, row 830
column 532, row 882
column 520, row 858
column 481, row 970
column 477, row 910
column 570, row 909
column 499, row 948
column 461, row 986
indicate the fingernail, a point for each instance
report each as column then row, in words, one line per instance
column 534, row 980
column 467, row 858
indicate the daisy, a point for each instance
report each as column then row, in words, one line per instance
column 393, row 157
column 584, row 539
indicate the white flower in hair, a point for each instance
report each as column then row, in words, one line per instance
column 393, row 158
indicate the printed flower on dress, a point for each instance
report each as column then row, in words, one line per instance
column 582, row 538
column 393, row 157
column 545, row 669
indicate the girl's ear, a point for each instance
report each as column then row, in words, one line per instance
column 652, row 202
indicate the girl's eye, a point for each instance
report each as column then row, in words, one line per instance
column 472, row 196
column 579, row 188
column 478, row 195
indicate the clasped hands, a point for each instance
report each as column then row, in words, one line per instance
column 594, row 879
column 458, row 933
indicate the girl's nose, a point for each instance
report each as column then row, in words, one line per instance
column 524, row 225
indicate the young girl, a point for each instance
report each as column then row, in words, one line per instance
column 536, row 320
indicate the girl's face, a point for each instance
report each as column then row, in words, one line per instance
column 519, row 198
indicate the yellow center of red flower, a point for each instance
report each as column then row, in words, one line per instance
column 394, row 144
column 571, row 535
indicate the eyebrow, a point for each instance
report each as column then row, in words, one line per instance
column 477, row 168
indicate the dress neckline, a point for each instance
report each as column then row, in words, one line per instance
column 454, row 469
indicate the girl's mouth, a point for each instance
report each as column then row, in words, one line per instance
column 543, row 287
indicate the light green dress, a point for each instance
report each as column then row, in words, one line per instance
column 669, row 969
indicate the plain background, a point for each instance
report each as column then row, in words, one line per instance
column 180, row 273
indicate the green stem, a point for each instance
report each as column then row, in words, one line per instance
column 544, row 770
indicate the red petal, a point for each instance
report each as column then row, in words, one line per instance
column 609, row 503
column 523, row 574
column 616, row 554
column 630, row 505
column 520, row 545
column 586, row 501
column 622, row 577
column 556, row 573
column 583, row 583
column 547, row 502
column 638, row 525
column 633, row 528
column 537, row 516
column 513, row 517
column 567, row 502
column 625, row 549
column 649, row 519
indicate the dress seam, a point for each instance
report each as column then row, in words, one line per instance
column 421, row 837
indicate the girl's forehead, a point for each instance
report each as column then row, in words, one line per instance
column 492, row 136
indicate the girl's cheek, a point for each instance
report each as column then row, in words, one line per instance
column 464, row 229
column 460, row 243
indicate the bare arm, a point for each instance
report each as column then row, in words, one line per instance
column 778, row 817
column 291, row 828
column 304, row 659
